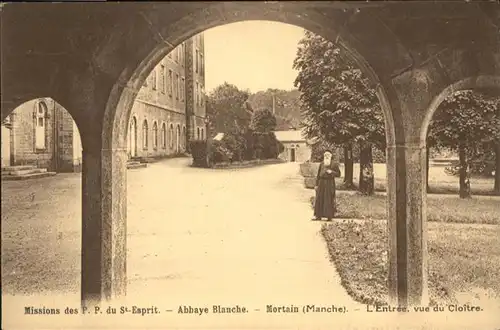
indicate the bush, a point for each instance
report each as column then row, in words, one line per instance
column 236, row 147
column 200, row 153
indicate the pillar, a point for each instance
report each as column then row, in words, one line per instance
column 104, row 235
column 411, row 93
column 407, row 224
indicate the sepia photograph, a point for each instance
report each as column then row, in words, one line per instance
column 250, row 165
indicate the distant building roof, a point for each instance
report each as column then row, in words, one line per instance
column 219, row 136
column 289, row 136
column 282, row 136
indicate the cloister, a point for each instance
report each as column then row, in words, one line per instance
column 92, row 58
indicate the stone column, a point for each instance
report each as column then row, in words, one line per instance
column 407, row 224
column 104, row 207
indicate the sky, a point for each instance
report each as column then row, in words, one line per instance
column 254, row 55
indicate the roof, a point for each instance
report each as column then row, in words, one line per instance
column 219, row 136
column 282, row 136
column 288, row 136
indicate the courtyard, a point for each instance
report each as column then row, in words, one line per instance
column 198, row 236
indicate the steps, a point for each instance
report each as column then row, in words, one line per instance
column 133, row 164
column 24, row 172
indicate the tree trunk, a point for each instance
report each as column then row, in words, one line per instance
column 366, row 178
column 464, row 191
column 348, row 167
column 497, row 169
column 427, row 169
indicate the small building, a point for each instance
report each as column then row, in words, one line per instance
column 297, row 148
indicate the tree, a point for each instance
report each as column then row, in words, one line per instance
column 338, row 105
column 263, row 121
column 466, row 121
column 227, row 109
column 286, row 106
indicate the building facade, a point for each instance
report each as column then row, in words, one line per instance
column 42, row 133
column 297, row 148
column 170, row 108
column 168, row 112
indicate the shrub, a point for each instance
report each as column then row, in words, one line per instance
column 200, row 153
column 244, row 146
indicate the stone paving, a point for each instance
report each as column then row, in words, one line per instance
column 196, row 237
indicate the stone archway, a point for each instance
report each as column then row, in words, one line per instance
column 121, row 99
column 403, row 86
column 479, row 82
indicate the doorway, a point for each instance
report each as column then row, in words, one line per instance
column 6, row 146
column 292, row 155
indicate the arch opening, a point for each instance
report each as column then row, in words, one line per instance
column 41, row 169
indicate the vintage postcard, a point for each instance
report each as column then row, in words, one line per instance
column 250, row 165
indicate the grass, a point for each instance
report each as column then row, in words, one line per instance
column 439, row 208
column 464, row 260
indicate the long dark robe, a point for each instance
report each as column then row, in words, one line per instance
column 325, row 204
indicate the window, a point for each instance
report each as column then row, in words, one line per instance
column 183, row 89
column 202, row 65
column 178, row 138
column 202, row 134
column 164, row 136
column 177, row 87
column 145, row 134
column 198, row 133
column 196, row 64
column 154, row 78
column 197, row 92
column 184, row 137
column 183, row 51
column 202, row 96
column 171, row 136
column 155, row 135
column 162, row 79
column 41, row 113
column 170, row 83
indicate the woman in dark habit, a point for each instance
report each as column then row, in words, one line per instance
column 325, row 204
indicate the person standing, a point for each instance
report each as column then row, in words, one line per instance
column 325, row 203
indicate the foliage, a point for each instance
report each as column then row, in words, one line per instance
column 200, row 153
column 338, row 105
column 465, row 117
column 263, row 121
column 286, row 104
column 228, row 109
column 472, row 120
column 237, row 147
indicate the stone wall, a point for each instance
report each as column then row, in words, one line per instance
column 23, row 125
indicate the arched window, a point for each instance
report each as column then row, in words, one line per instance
column 40, row 114
column 184, row 137
column 155, row 135
column 178, row 137
column 198, row 133
column 154, row 79
column 145, row 134
column 171, row 136
column 202, row 134
column 164, row 136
